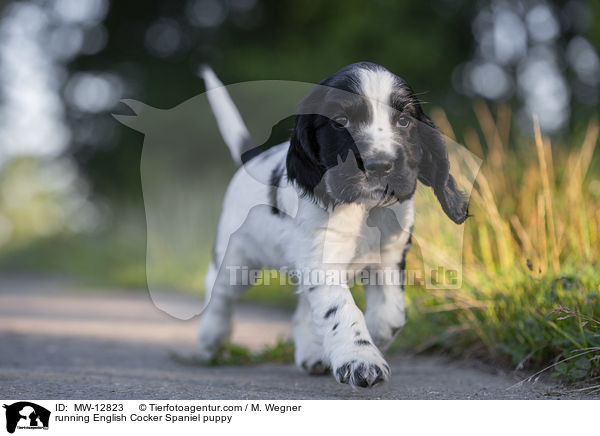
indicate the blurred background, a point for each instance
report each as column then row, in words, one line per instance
column 70, row 193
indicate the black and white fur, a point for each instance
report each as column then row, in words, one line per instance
column 360, row 143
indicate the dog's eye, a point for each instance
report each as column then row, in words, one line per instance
column 403, row 122
column 341, row 121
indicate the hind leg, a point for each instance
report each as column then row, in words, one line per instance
column 223, row 286
column 385, row 313
column 308, row 346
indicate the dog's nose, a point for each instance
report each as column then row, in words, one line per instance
column 378, row 167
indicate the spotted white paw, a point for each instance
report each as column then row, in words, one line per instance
column 362, row 365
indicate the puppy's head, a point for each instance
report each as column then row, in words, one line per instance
column 361, row 136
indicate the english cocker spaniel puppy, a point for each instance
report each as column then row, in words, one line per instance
column 338, row 196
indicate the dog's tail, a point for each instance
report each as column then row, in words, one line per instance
column 230, row 122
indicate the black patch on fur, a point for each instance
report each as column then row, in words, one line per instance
column 331, row 312
column 312, row 288
column 276, row 175
column 359, row 376
column 249, row 150
column 315, row 144
column 280, row 132
column 343, row 372
column 362, row 342
column 379, row 373
column 434, row 171
column 402, row 263
column 335, row 326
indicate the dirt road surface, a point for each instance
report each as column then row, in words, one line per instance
column 58, row 341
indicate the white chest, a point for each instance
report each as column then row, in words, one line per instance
column 354, row 234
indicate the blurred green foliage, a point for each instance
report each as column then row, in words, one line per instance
column 292, row 40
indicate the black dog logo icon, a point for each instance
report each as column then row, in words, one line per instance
column 26, row 415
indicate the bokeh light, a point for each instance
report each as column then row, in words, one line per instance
column 518, row 54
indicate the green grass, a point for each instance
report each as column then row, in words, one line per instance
column 232, row 354
column 534, row 325
column 531, row 278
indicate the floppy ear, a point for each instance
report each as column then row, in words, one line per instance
column 434, row 171
column 302, row 162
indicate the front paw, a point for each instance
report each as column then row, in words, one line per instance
column 309, row 356
column 362, row 368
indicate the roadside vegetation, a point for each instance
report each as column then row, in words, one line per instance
column 531, row 279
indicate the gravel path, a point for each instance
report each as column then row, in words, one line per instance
column 61, row 342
